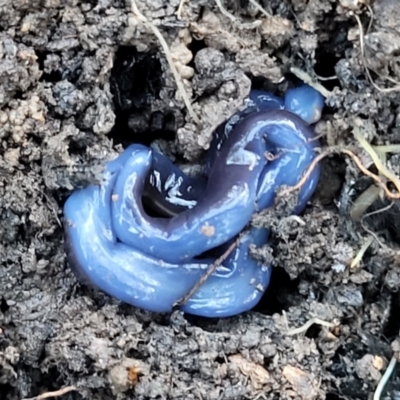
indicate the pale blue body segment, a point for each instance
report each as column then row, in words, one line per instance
column 151, row 261
column 305, row 102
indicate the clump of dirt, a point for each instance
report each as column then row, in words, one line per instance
column 80, row 80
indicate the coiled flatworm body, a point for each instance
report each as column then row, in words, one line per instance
column 152, row 261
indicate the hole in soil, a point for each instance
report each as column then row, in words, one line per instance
column 330, row 184
column 392, row 327
column 350, row 386
column 53, row 76
column 385, row 222
column 141, row 354
column 135, row 85
column 195, row 47
column 325, row 68
column 3, row 305
column 313, row 331
column 220, row 360
column 332, row 396
column 53, row 380
column 7, row 391
column 279, row 292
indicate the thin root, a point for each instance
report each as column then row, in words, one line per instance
column 305, row 77
column 164, row 45
column 376, row 159
column 310, row 322
column 56, row 393
column 381, row 210
column 376, row 178
column 357, row 161
column 309, row 171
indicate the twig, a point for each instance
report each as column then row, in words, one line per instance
column 164, row 45
column 56, row 393
column 211, row 269
column 310, row 322
column 382, row 383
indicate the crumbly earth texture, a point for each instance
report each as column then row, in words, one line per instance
column 80, row 80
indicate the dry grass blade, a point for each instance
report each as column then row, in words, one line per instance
column 211, row 269
column 167, row 52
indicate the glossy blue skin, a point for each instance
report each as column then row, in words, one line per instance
column 226, row 205
column 99, row 259
column 305, row 102
column 258, row 100
column 149, row 262
column 168, row 190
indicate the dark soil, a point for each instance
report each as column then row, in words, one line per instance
column 80, row 80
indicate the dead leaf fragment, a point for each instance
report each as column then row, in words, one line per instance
column 258, row 375
column 303, row 384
